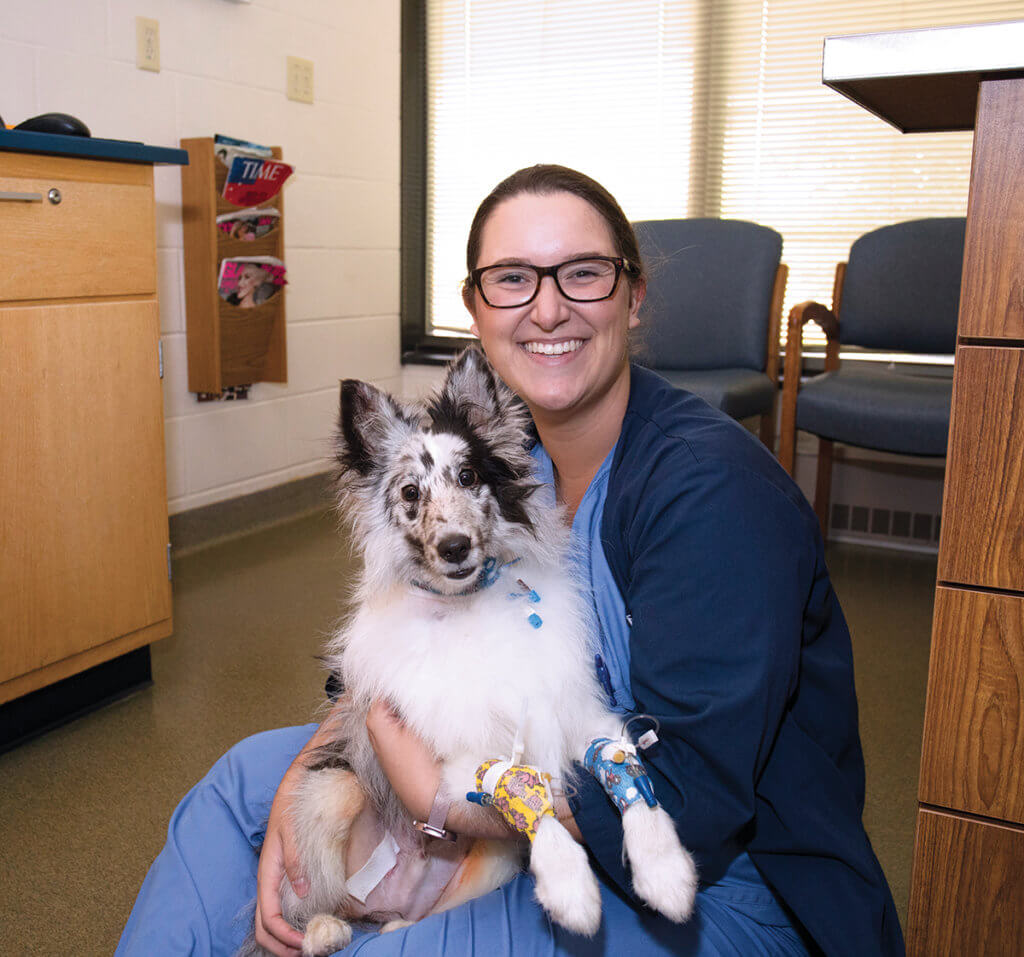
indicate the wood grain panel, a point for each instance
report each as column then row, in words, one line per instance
column 201, row 264
column 245, row 336
column 41, row 677
column 84, row 517
column 972, row 758
column 992, row 295
column 98, row 241
column 982, row 541
column 967, row 896
column 77, row 169
column 225, row 348
column 276, row 367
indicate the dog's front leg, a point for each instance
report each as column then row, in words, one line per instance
column 328, row 803
column 565, row 886
column 664, row 874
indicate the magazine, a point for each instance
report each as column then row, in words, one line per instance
column 227, row 147
column 248, row 281
column 252, row 180
column 250, row 224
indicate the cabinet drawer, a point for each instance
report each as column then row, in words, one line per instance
column 992, row 294
column 972, row 756
column 982, row 539
column 968, row 893
column 99, row 240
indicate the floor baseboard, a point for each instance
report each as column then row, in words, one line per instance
column 222, row 521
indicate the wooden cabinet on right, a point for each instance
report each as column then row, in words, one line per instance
column 983, row 507
column 973, row 751
column 967, row 887
column 992, row 294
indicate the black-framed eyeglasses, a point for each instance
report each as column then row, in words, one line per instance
column 579, row 280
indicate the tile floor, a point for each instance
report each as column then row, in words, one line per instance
column 83, row 810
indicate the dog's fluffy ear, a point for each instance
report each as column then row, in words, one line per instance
column 472, row 386
column 367, row 417
column 475, row 403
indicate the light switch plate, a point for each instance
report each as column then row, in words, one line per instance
column 300, row 79
column 147, row 44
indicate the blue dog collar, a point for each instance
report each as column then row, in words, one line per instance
column 490, row 572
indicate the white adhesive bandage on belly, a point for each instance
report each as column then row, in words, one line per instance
column 383, row 858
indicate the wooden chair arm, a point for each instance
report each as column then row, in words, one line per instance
column 806, row 312
column 799, row 316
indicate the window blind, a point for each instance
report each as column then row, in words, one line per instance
column 684, row 108
column 604, row 87
column 794, row 154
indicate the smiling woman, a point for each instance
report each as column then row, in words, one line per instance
column 711, row 611
column 561, row 356
column 558, row 332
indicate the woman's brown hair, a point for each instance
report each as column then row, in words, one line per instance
column 544, row 179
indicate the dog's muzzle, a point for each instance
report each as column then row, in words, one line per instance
column 454, row 550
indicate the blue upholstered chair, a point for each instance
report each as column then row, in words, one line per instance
column 899, row 292
column 710, row 322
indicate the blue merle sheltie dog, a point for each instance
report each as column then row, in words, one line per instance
column 467, row 621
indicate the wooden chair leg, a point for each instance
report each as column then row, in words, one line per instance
column 823, row 485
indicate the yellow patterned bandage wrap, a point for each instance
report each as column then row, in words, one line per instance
column 518, row 792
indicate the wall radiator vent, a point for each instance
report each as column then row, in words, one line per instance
column 863, row 523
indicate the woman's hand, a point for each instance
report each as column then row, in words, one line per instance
column 277, row 858
column 410, row 766
column 415, row 775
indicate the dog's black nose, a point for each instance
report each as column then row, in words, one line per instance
column 454, row 549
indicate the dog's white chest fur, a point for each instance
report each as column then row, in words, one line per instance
column 460, row 668
column 431, row 490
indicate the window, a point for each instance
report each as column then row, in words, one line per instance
column 685, row 108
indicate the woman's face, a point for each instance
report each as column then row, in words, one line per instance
column 250, row 278
column 589, row 339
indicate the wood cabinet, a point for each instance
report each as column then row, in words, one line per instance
column 967, row 886
column 973, row 749
column 84, row 573
column 983, row 503
column 972, row 904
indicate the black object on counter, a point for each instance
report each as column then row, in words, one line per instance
column 62, row 123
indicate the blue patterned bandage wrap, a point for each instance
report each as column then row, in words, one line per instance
column 621, row 773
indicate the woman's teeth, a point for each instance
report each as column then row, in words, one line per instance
column 553, row 348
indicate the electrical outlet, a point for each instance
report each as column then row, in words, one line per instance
column 147, row 44
column 300, row 79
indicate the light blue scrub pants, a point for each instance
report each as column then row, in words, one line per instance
column 194, row 898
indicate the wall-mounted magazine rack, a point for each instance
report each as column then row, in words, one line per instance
column 228, row 346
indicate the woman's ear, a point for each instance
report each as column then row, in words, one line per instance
column 469, row 303
column 637, row 293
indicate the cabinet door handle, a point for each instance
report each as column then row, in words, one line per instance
column 21, row 197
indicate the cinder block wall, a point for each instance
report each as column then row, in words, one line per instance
column 223, row 71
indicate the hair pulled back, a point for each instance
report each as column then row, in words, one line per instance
column 542, row 180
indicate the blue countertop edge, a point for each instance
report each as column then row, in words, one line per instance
column 89, row 147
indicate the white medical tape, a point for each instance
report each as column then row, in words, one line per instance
column 383, row 858
column 493, row 774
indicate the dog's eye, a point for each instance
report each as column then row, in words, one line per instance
column 410, row 493
column 467, row 478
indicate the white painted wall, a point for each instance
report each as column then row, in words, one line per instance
column 223, row 71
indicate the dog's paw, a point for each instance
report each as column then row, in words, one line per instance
column 664, row 874
column 395, row 925
column 325, row 934
column 565, row 886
